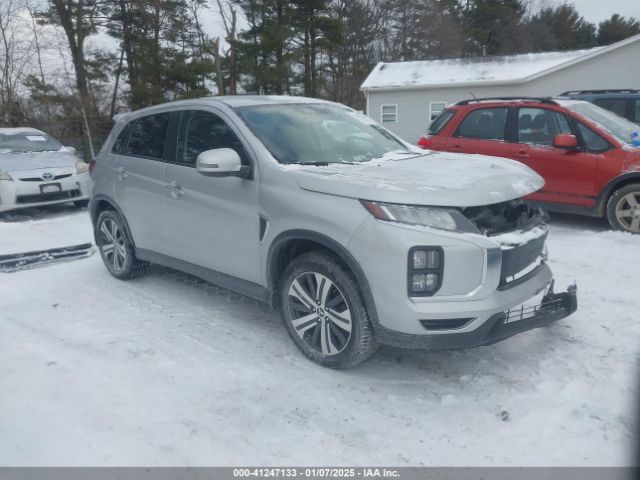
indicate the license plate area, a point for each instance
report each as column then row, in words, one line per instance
column 527, row 309
column 50, row 188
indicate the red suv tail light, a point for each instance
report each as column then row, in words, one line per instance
column 425, row 142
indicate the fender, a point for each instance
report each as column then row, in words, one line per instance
column 275, row 250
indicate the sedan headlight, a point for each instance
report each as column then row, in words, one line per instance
column 436, row 217
column 81, row 167
column 5, row 176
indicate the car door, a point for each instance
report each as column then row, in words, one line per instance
column 482, row 131
column 138, row 166
column 212, row 221
column 569, row 174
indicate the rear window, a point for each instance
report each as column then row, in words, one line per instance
column 148, row 136
column 440, row 121
column 484, row 124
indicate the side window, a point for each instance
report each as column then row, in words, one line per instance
column 389, row 113
column 148, row 136
column 616, row 105
column 592, row 141
column 201, row 131
column 435, row 109
column 121, row 142
column 439, row 123
column 484, row 124
column 539, row 126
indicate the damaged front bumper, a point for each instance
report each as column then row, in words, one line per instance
column 553, row 307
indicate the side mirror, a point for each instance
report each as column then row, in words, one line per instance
column 71, row 149
column 566, row 141
column 221, row 162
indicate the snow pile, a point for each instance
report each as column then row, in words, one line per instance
column 466, row 71
column 168, row 370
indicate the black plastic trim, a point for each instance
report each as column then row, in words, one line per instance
column 338, row 249
column 244, row 287
column 93, row 205
column 546, row 100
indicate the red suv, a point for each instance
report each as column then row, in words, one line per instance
column 588, row 156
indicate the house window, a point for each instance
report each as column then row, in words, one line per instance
column 389, row 113
column 435, row 109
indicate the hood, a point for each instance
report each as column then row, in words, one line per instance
column 434, row 178
column 15, row 162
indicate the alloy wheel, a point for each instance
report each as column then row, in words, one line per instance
column 112, row 244
column 319, row 313
column 628, row 212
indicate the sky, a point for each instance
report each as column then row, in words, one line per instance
column 597, row 10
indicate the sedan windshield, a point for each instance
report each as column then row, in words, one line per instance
column 319, row 134
column 619, row 127
column 25, row 142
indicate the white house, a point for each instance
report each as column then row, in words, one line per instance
column 406, row 96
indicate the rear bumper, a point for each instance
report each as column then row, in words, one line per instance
column 554, row 306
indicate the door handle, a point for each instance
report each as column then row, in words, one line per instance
column 457, row 147
column 122, row 173
column 175, row 190
column 522, row 154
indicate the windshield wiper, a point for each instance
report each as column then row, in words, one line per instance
column 323, row 164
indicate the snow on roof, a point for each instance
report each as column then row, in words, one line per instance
column 13, row 131
column 478, row 70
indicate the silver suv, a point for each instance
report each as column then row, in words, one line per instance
column 356, row 236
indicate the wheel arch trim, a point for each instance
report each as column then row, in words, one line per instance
column 612, row 186
column 276, row 250
column 93, row 210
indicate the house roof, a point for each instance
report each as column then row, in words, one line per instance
column 459, row 72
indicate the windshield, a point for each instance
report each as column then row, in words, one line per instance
column 27, row 142
column 619, row 127
column 319, row 134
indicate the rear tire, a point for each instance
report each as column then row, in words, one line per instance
column 116, row 248
column 623, row 209
column 323, row 311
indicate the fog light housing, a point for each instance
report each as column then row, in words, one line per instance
column 425, row 271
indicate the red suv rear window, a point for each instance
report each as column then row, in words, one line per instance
column 440, row 121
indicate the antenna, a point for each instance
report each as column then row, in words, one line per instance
column 474, row 97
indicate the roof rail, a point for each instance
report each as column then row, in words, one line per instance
column 598, row 92
column 535, row 99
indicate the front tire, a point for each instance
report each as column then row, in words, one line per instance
column 623, row 209
column 116, row 248
column 323, row 311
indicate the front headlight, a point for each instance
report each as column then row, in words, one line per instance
column 81, row 167
column 435, row 217
column 5, row 176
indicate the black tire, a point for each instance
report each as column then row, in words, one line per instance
column 622, row 213
column 81, row 203
column 342, row 297
column 121, row 262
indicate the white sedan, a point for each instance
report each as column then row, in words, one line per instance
column 36, row 169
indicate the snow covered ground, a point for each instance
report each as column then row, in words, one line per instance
column 169, row 370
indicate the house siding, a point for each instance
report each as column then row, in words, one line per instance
column 619, row 68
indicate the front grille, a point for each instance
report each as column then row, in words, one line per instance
column 520, row 229
column 40, row 179
column 48, row 197
column 516, row 259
